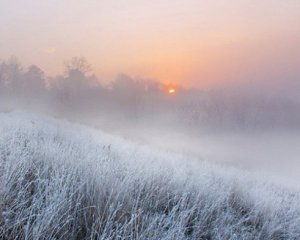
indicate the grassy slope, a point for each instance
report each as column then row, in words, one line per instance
column 64, row 181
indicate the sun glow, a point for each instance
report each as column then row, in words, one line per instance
column 171, row 91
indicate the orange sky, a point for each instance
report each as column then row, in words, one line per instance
column 190, row 42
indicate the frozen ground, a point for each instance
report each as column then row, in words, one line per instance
column 66, row 181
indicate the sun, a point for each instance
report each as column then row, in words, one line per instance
column 171, row 91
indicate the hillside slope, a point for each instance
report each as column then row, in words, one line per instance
column 64, row 181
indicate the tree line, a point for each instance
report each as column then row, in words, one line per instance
column 78, row 92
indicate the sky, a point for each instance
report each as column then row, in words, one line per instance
column 188, row 42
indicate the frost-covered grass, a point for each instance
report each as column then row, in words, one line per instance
column 64, row 181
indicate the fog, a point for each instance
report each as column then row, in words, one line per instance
column 194, row 43
column 250, row 126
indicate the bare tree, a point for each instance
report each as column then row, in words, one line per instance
column 79, row 64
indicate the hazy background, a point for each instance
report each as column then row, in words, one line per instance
column 234, row 65
column 193, row 42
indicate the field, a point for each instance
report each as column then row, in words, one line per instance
column 61, row 180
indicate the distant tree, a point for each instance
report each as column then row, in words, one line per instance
column 2, row 77
column 34, row 80
column 77, row 89
column 75, row 80
column 11, row 75
column 153, row 87
column 77, row 64
column 127, row 94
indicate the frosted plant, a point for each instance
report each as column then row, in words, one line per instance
column 64, row 181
